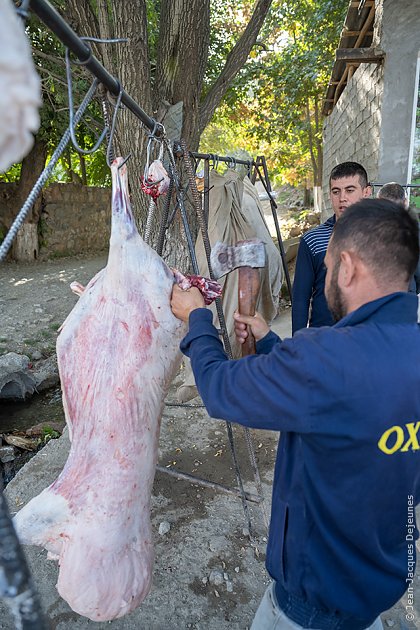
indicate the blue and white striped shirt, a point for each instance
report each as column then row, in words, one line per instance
column 309, row 303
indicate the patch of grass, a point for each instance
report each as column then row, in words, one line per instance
column 54, row 326
column 31, row 340
column 48, row 433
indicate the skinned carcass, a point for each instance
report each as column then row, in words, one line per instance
column 117, row 352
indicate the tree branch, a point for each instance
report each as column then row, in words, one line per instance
column 234, row 62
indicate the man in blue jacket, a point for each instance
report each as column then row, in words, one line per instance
column 348, row 184
column 346, row 399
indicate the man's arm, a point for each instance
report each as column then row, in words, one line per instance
column 302, row 287
column 267, row 391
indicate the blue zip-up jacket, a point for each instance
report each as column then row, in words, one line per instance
column 309, row 303
column 347, row 401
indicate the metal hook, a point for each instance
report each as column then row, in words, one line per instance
column 71, row 112
column 97, row 40
column 109, row 152
column 152, row 138
column 125, row 160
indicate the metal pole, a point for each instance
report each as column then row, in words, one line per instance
column 266, row 183
column 209, row 156
column 255, row 498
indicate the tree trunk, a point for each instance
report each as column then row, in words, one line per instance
column 26, row 245
column 184, row 35
column 182, row 55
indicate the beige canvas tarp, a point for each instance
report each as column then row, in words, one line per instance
column 235, row 214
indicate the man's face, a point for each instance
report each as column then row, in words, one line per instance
column 346, row 191
column 335, row 299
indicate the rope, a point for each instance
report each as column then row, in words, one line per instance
column 150, row 220
column 24, row 211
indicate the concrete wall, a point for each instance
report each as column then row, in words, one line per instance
column 400, row 41
column 372, row 121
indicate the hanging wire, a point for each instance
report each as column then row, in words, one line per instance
column 72, row 122
column 20, row 219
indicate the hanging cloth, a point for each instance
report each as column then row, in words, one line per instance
column 235, row 214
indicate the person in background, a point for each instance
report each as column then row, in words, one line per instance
column 396, row 193
column 348, row 184
column 342, row 539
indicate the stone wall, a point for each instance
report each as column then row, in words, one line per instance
column 351, row 132
column 74, row 219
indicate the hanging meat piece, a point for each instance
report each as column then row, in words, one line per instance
column 156, row 180
column 209, row 289
column 20, row 89
column 117, row 352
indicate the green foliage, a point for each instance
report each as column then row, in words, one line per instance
column 275, row 102
column 48, row 433
column 272, row 108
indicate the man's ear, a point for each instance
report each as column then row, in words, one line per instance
column 347, row 269
column 367, row 192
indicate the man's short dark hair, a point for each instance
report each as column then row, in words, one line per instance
column 384, row 236
column 348, row 169
column 394, row 192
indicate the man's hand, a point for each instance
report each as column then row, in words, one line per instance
column 257, row 323
column 185, row 301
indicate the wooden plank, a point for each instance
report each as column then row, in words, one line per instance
column 361, row 55
column 346, row 33
column 356, row 3
column 366, row 25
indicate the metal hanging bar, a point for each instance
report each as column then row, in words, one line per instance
column 51, row 18
column 228, row 159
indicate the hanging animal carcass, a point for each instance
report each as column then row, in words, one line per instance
column 117, row 352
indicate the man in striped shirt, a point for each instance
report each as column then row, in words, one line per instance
column 348, row 184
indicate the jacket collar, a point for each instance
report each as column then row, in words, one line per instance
column 396, row 308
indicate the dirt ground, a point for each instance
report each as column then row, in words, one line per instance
column 208, row 572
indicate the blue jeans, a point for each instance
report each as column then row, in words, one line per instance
column 270, row 617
